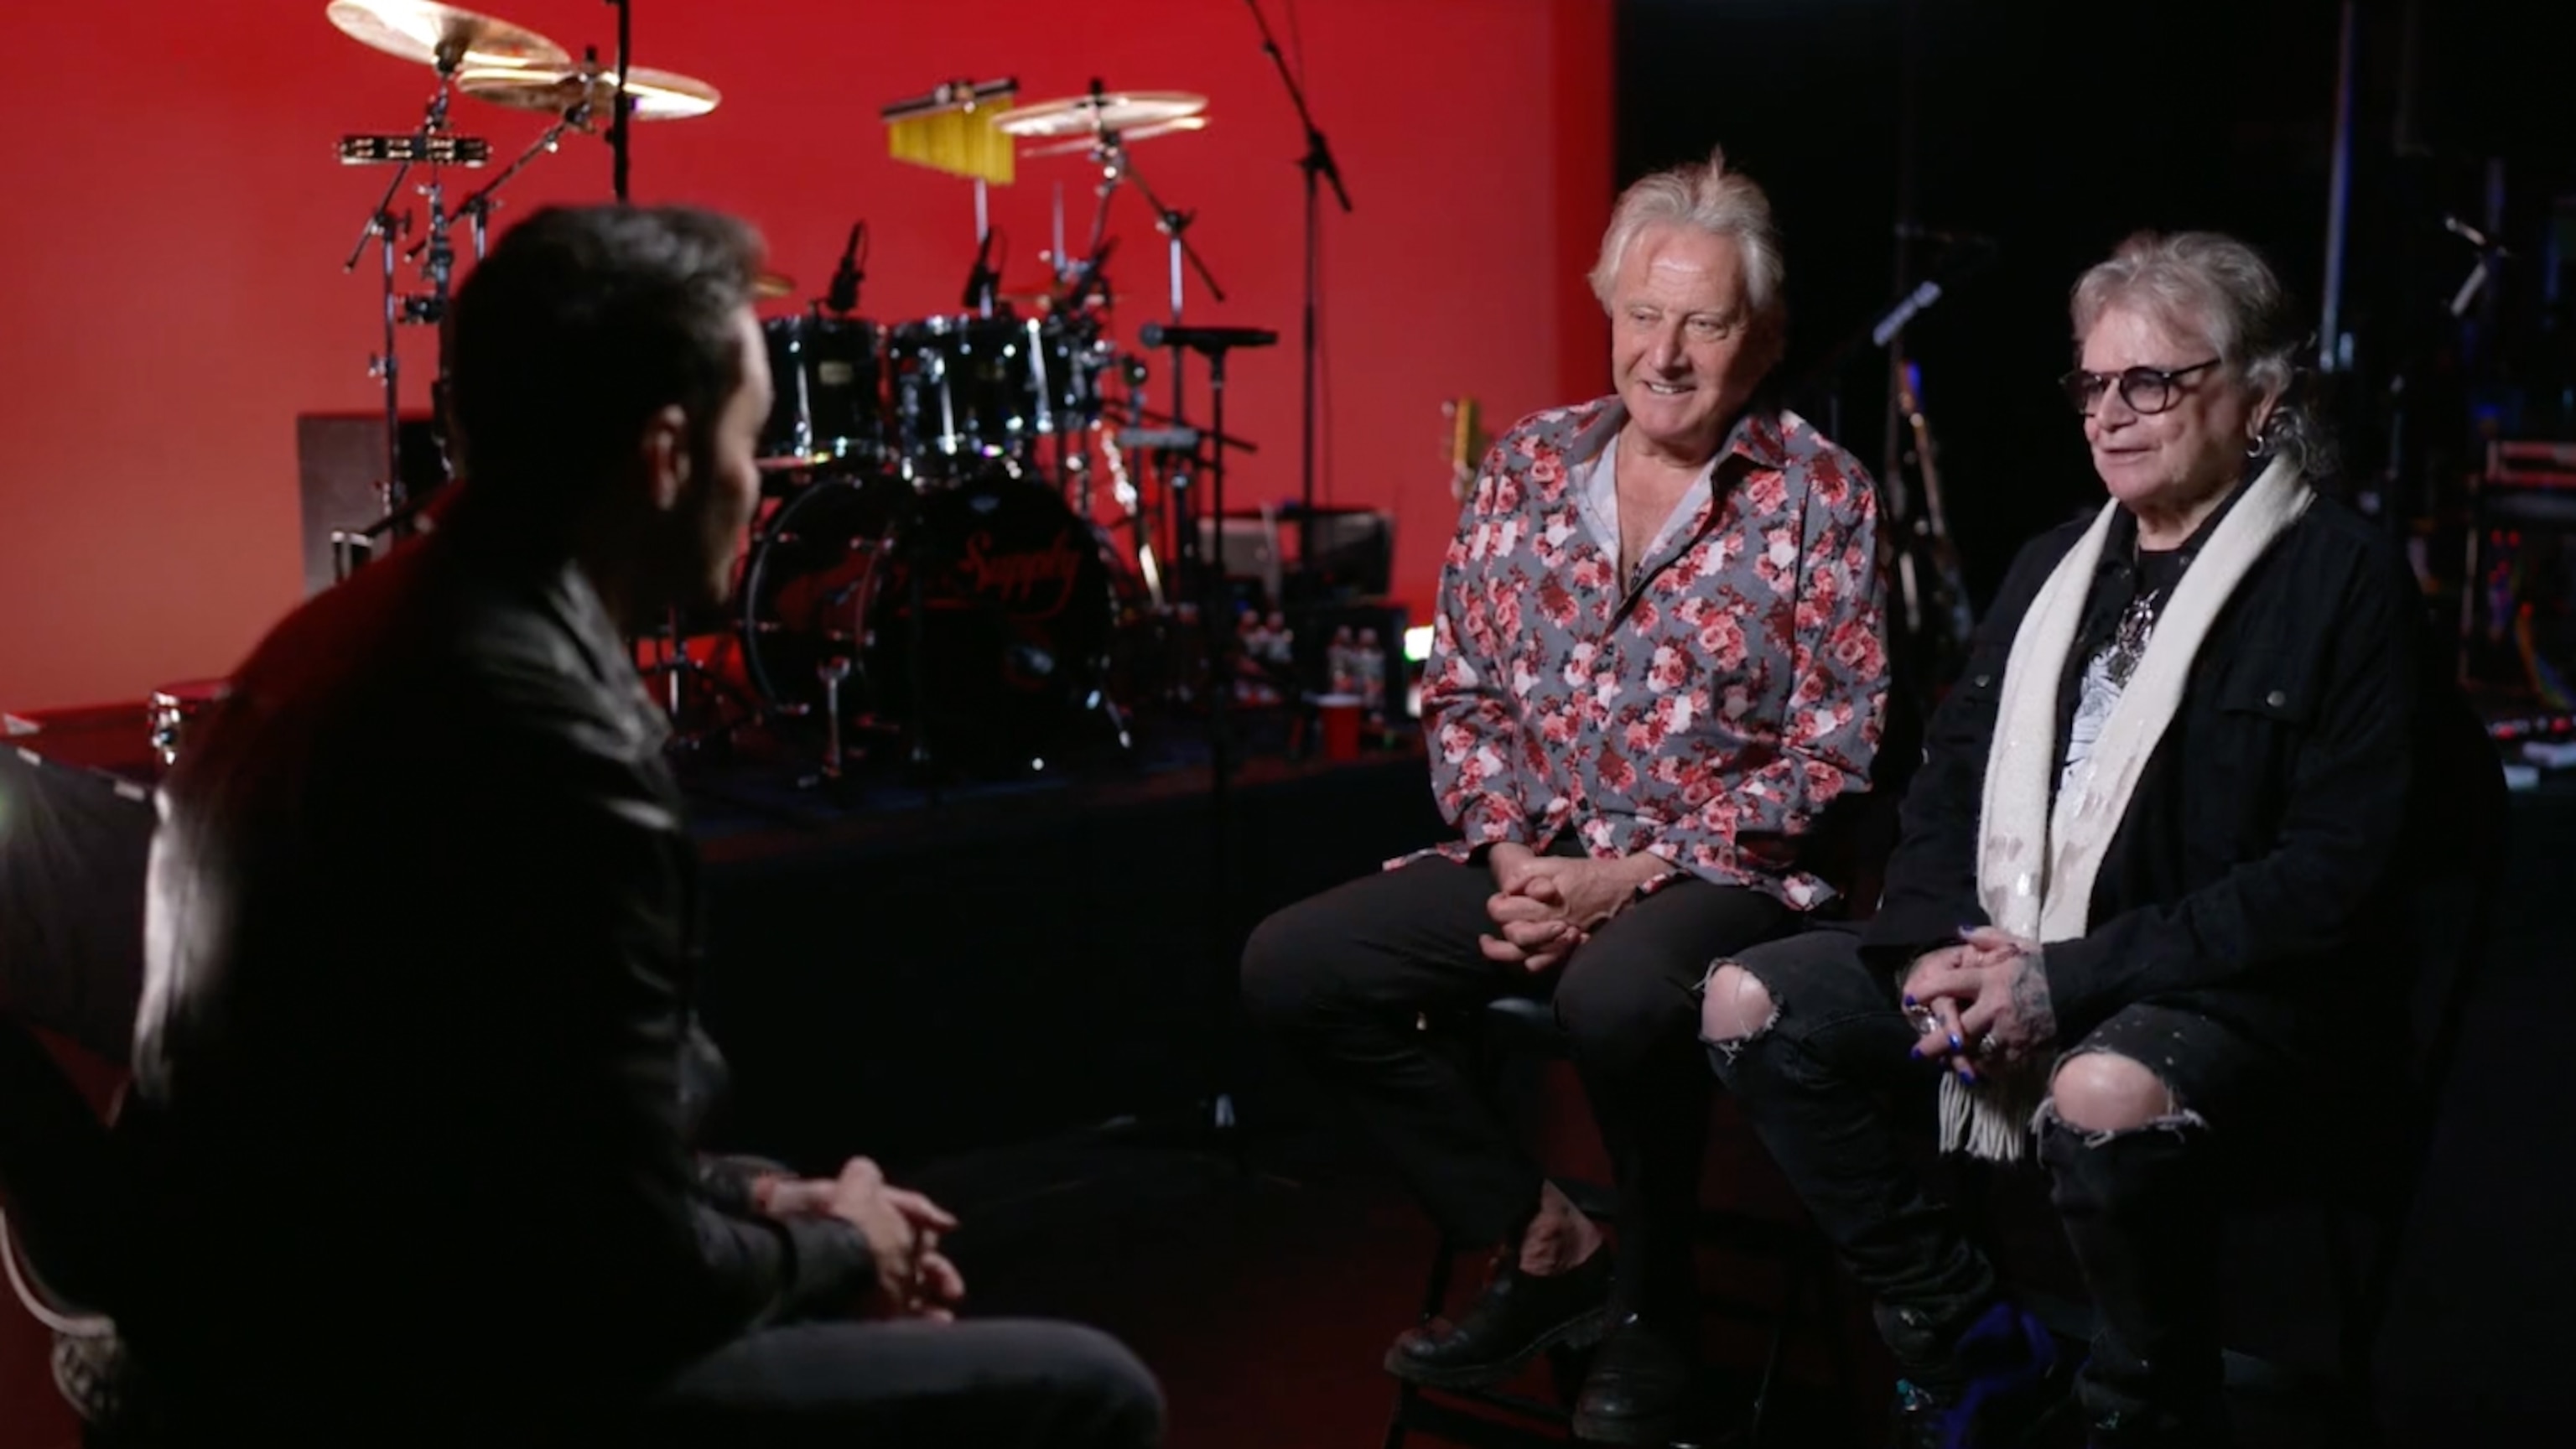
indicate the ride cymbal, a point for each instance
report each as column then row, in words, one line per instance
column 1089, row 115
column 660, row 95
column 1082, row 147
column 444, row 36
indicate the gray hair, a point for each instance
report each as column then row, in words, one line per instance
column 2200, row 282
column 1707, row 197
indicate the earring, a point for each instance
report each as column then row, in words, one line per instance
column 2254, row 448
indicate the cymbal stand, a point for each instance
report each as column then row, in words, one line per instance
column 1109, row 152
column 476, row 210
column 434, row 145
column 621, row 125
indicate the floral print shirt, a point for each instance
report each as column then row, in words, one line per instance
column 1705, row 711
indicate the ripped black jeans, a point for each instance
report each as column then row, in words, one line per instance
column 2141, row 1207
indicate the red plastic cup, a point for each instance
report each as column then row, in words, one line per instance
column 1341, row 718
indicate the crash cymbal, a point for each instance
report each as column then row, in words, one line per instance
column 444, row 36
column 660, row 95
column 770, row 286
column 1083, row 146
column 1120, row 111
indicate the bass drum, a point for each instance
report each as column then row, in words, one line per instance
column 975, row 618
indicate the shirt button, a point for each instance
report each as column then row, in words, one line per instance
column 2277, row 699
column 1984, row 679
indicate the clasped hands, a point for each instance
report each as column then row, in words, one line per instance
column 902, row 1228
column 1981, row 1001
column 1544, row 907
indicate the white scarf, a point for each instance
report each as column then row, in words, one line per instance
column 2035, row 867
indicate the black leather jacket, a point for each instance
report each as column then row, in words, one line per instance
column 410, row 1115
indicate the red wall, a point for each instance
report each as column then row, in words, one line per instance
column 175, row 224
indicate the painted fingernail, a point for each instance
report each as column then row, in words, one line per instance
column 1915, row 1052
column 1954, row 1042
column 1909, row 998
column 1966, row 1076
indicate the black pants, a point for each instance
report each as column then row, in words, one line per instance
column 1342, row 977
column 1012, row 1384
column 2141, row 1207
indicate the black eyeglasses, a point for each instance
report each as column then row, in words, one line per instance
column 2144, row 389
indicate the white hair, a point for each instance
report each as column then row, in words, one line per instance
column 2200, row 283
column 1706, row 197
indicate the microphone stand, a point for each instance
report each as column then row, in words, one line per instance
column 1222, row 676
column 621, row 123
column 1317, row 162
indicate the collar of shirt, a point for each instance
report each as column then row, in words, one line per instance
column 1593, row 466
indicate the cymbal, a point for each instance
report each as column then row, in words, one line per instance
column 1089, row 115
column 660, row 95
column 770, row 286
column 434, row 34
column 1141, row 133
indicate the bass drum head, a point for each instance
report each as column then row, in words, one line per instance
column 806, row 593
column 979, row 616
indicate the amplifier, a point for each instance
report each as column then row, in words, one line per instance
column 339, row 460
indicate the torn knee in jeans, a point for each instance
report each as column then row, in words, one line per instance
column 2101, row 1095
column 1735, row 1007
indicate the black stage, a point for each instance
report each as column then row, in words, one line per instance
column 1021, row 998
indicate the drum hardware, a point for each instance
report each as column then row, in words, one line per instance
column 1104, row 117
column 1213, row 343
column 509, row 66
column 690, row 689
column 444, row 37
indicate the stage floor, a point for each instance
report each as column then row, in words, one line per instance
column 1022, row 1000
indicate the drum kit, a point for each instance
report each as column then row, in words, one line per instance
column 931, row 581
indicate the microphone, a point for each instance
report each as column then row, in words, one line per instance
column 844, row 292
column 1087, row 278
column 980, row 280
column 1205, row 339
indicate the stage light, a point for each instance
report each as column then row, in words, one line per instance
column 1417, row 644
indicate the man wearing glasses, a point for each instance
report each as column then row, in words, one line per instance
column 2152, row 898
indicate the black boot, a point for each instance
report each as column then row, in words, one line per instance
column 1982, row 1385
column 1518, row 1316
column 1639, row 1390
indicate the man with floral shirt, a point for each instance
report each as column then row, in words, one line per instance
column 1659, row 657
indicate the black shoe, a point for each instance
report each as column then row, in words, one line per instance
column 1518, row 1316
column 1639, row 1389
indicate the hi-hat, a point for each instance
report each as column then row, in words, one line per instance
column 1182, row 126
column 1089, row 115
column 444, row 36
column 659, row 95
